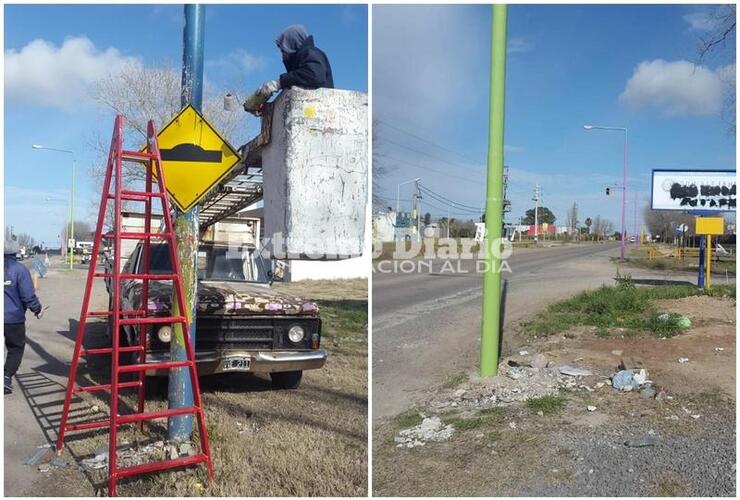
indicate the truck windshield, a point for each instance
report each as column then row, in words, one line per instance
column 218, row 262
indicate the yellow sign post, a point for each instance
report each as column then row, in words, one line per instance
column 709, row 226
column 195, row 158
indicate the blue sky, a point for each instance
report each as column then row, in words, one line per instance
column 567, row 66
column 55, row 53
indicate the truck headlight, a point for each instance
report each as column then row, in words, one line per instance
column 164, row 334
column 296, row 334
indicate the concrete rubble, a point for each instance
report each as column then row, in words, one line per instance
column 430, row 429
column 128, row 455
column 518, row 380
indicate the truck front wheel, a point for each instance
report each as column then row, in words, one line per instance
column 286, row 380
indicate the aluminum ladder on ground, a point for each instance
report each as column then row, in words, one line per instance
column 151, row 160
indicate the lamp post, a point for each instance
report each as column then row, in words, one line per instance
column 71, row 198
column 624, row 181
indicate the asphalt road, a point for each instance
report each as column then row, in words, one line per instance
column 426, row 324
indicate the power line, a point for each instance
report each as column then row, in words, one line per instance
column 427, row 141
column 461, row 210
column 449, row 201
column 430, row 169
column 425, row 153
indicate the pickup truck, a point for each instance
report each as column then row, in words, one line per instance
column 242, row 324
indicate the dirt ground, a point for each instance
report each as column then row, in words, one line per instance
column 513, row 451
column 307, row 442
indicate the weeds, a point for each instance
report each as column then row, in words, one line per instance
column 455, row 381
column 464, row 424
column 623, row 306
column 546, row 404
column 408, row 419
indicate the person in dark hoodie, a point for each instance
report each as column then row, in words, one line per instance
column 306, row 65
column 19, row 296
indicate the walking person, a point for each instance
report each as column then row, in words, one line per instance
column 19, row 296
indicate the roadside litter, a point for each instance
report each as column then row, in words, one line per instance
column 41, row 454
column 629, row 380
column 680, row 321
column 572, row 371
column 430, row 429
column 683, row 360
column 642, row 442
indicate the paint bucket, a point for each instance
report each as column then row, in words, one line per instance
column 230, row 102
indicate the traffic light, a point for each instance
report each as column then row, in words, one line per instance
column 608, row 190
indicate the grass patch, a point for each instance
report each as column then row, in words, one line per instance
column 484, row 417
column 622, row 306
column 546, row 404
column 455, row 381
column 408, row 419
column 464, row 424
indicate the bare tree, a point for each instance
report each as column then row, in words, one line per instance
column 601, row 228
column 141, row 93
column 719, row 43
column 572, row 218
column 83, row 230
column 378, row 168
column 664, row 222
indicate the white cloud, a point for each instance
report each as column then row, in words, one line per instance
column 518, row 45
column 676, row 87
column 425, row 60
column 43, row 73
column 241, row 60
column 700, row 21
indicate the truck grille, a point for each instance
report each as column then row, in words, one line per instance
column 251, row 332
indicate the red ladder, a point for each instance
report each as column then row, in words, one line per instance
column 151, row 159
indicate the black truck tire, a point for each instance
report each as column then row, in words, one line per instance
column 286, row 380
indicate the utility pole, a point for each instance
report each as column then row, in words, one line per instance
column 448, row 223
column 536, row 200
column 637, row 240
column 180, row 392
column 521, row 223
column 491, row 320
column 417, row 208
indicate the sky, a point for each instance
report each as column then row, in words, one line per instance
column 55, row 54
column 567, row 66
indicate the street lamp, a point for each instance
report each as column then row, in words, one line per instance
column 71, row 197
column 624, row 182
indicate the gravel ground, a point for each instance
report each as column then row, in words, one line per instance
column 696, row 464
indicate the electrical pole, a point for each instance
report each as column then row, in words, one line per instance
column 536, row 200
column 491, row 319
column 180, row 392
column 417, row 208
column 637, row 240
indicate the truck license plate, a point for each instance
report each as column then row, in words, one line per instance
column 236, row 363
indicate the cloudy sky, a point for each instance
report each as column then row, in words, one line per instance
column 55, row 54
column 625, row 66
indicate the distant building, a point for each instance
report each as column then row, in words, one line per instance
column 384, row 226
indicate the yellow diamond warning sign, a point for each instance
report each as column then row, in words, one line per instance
column 195, row 158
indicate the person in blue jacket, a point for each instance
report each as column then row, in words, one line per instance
column 19, row 296
column 306, row 65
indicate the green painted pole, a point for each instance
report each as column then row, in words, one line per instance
column 494, row 198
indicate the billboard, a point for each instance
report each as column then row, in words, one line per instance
column 694, row 190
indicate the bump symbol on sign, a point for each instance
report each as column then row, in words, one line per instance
column 195, row 158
